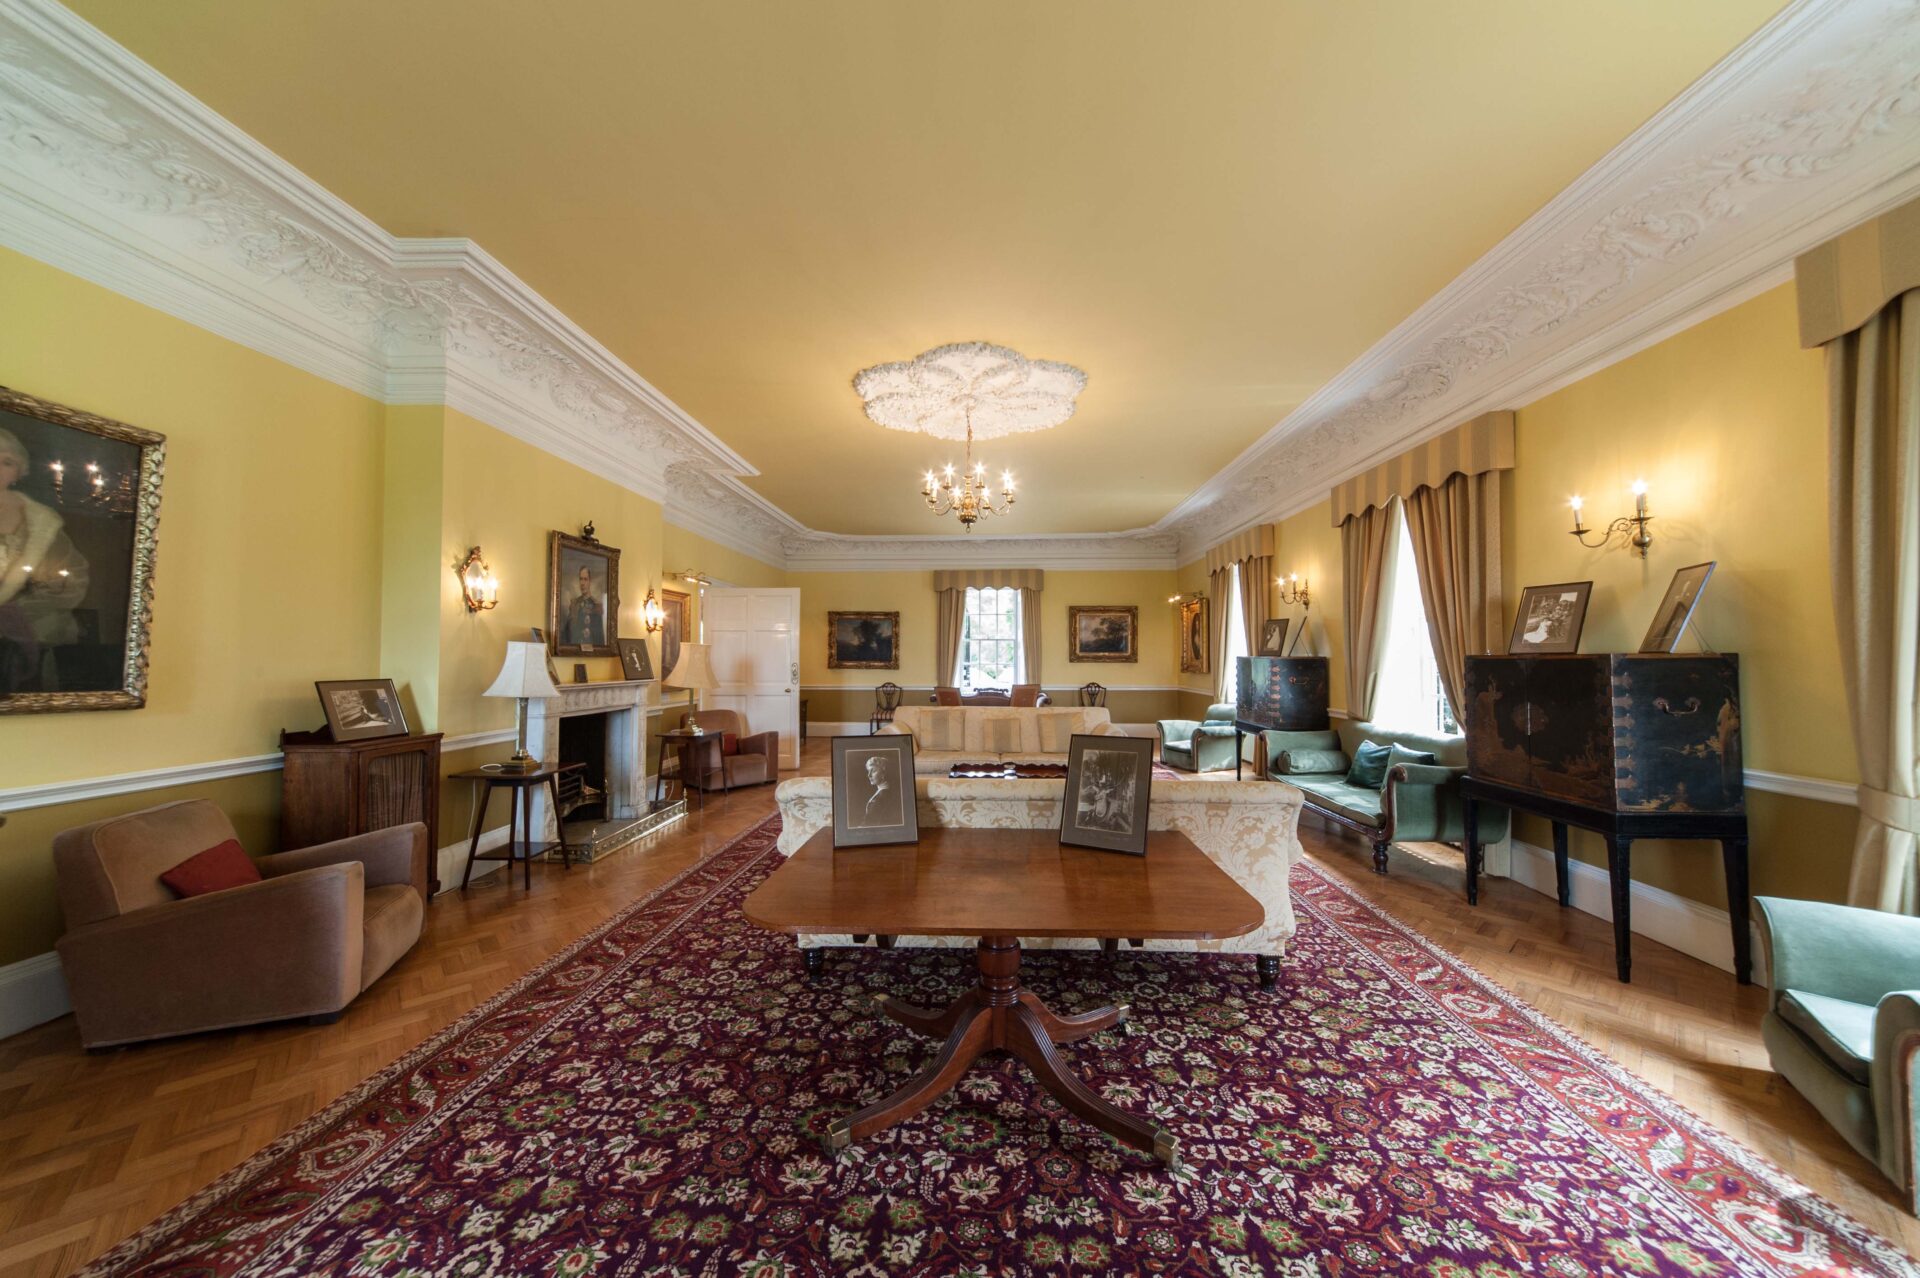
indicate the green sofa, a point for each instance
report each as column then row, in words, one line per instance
column 1419, row 802
column 1843, row 1022
column 1206, row 746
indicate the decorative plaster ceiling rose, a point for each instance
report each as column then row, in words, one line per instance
column 1003, row 391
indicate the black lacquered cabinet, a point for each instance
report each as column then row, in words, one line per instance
column 1281, row 694
column 1629, row 745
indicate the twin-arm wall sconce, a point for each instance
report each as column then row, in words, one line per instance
column 1634, row 525
column 478, row 586
column 1186, row 596
column 1294, row 590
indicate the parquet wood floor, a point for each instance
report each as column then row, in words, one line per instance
column 92, row 1147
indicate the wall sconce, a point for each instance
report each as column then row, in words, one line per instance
column 1186, row 596
column 478, row 586
column 652, row 615
column 1634, row 525
column 1294, row 590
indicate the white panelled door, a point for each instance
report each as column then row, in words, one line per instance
column 755, row 640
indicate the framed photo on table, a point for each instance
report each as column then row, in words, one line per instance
column 1676, row 608
column 583, row 596
column 873, row 792
column 1273, row 637
column 362, row 709
column 1109, row 784
column 1100, row 633
column 1550, row 619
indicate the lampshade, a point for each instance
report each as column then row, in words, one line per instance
column 524, row 672
column 693, row 670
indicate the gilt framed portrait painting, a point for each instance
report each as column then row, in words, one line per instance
column 583, row 596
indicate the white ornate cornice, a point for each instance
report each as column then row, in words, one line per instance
column 1809, row 127
column 111, row 172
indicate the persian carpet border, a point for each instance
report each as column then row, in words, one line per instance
column 1353, row 913
column 164, row 1229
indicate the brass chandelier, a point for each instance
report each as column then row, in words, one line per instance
column 968, row 494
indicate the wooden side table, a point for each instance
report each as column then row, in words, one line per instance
column 684, row 742
column 520, row 790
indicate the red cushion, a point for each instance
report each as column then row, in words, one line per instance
column 223, row 866
column 729, row 743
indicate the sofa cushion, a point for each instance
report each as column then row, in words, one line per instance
column 1398, row 754
column 1056, row 729
column 1356, row 802
column 995, row 733
column 222, row 866
column 940, row 729
column 1369, row 769
column 391, row 917
column 1842, row 1031
column 1291, row 762
column 729, row 743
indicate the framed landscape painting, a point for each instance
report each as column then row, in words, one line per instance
column 1101, row 633
column 863, row 641
column 79, row 523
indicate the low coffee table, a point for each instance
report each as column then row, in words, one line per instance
column 1001, row 885
column 996, row 771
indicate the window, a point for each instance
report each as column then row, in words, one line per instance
column 990, row 639
column 1407, row 692
column 1234, row 645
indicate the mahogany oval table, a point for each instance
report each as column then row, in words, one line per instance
column 1000, row 885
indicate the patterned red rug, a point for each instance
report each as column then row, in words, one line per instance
column 651, row 1102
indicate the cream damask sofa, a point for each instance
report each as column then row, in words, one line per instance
column 1249, row 828
column 946, row 735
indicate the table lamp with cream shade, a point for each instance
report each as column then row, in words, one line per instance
column 523, row 676
column 694, row 672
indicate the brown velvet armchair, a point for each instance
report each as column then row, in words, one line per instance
column 320, row 927
column 757, row 762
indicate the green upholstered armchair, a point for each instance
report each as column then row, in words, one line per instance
column 1199, row 747
column 1843, row 1025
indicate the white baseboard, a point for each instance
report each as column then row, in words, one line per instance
column 32, row 992
column 452, row 859
column 1700, row 931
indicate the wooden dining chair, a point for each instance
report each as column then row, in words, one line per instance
column 1093, row 694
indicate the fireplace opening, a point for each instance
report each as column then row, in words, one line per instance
column 583, row 794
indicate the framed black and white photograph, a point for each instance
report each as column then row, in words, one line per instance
column 873, row 799
column 1103, row 633
column 1109, row 780
column 1550, row 618
column 634, row 661
column 583, row 596
column 79, row 522
column 1676, row 609
column 1273, row 638
column 863, row 641
column 361, row 709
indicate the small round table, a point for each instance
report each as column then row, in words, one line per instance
column 519, row 800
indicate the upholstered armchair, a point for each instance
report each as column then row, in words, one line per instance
column 1843, row 1022
column 1206, row 746
column 755, row 759
column 322, row 925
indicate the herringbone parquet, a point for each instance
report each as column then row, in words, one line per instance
column 92, row 1147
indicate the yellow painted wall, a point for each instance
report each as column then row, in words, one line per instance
column 269, row 559
column 686, row 551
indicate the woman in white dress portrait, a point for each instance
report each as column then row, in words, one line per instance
column 42, row 579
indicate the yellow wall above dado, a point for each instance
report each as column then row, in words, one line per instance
column 911, row 595
column 269, row 544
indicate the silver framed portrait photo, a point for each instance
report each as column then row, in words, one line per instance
column 1109, row 784
column 873, row 795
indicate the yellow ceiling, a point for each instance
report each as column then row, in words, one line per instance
column 1211, row 206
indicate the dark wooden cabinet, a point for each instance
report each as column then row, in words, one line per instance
column 1286, row 694
column 1628, row 745
column 332, row 789
column 1635, row 732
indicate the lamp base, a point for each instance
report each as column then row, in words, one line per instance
column 520, row 763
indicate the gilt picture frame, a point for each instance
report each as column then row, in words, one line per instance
column 863, row 641
column 676, row 623
column 1195, row 638
column 1103, row 632
column 583, row 596
column 77, row 572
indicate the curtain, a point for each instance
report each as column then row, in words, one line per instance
column 1363, row 550
column 1455, row 530
column 1256, row 581
column 1873, row 407
column 1219, row 581
column 1030, row 634
column 949, row 618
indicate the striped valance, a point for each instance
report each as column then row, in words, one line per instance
column 1257, row 540
column 989, row 578
column 1483, row 444
column 1844, row 283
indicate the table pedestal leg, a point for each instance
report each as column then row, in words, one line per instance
column 999, row 1015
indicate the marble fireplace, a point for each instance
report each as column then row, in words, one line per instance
column 622, row 707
